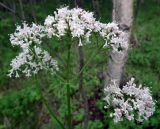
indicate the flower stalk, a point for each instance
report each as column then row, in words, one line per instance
column 69, row 115
column 48, row 107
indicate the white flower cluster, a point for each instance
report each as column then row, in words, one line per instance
column 131, row 102
column 114, row 37
column 75, row 22
column 32, row 58
column 81, row 24
column 26, row 35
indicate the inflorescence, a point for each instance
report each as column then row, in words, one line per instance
column 77, row 22
column 32, row 58
column 81, row 24
column 130, row 102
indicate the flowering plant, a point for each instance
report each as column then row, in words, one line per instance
column 80, row 24
column 129, row 102
column 77, row 24
column 32, row 58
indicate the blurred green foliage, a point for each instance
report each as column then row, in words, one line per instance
column 20, row 104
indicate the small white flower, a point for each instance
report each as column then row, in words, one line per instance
column 80, row 42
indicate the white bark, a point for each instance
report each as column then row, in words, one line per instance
column 123, row 12
column 123, row 15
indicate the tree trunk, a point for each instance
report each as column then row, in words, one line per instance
column 22, row 10
column 79, row 3
column 142, row 1
column 95, row 4
column 13, row 5
column 33, row 3
column 123, row 15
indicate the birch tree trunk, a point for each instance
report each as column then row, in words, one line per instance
column 123, row 15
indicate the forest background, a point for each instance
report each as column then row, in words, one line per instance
column 20, row 103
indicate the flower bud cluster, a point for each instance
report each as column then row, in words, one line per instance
column 130, row 102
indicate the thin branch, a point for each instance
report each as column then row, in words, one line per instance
column 90, row 59
column 56, row 54
column 9, row 9
column 3, row 5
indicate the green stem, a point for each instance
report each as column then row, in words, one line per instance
column 48, row 106
column 90, row 58
column 69, row 107
column 68, row 89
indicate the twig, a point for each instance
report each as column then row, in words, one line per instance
column 9, row 9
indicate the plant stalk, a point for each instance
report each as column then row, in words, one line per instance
column 69, row 116
column 48, row 106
